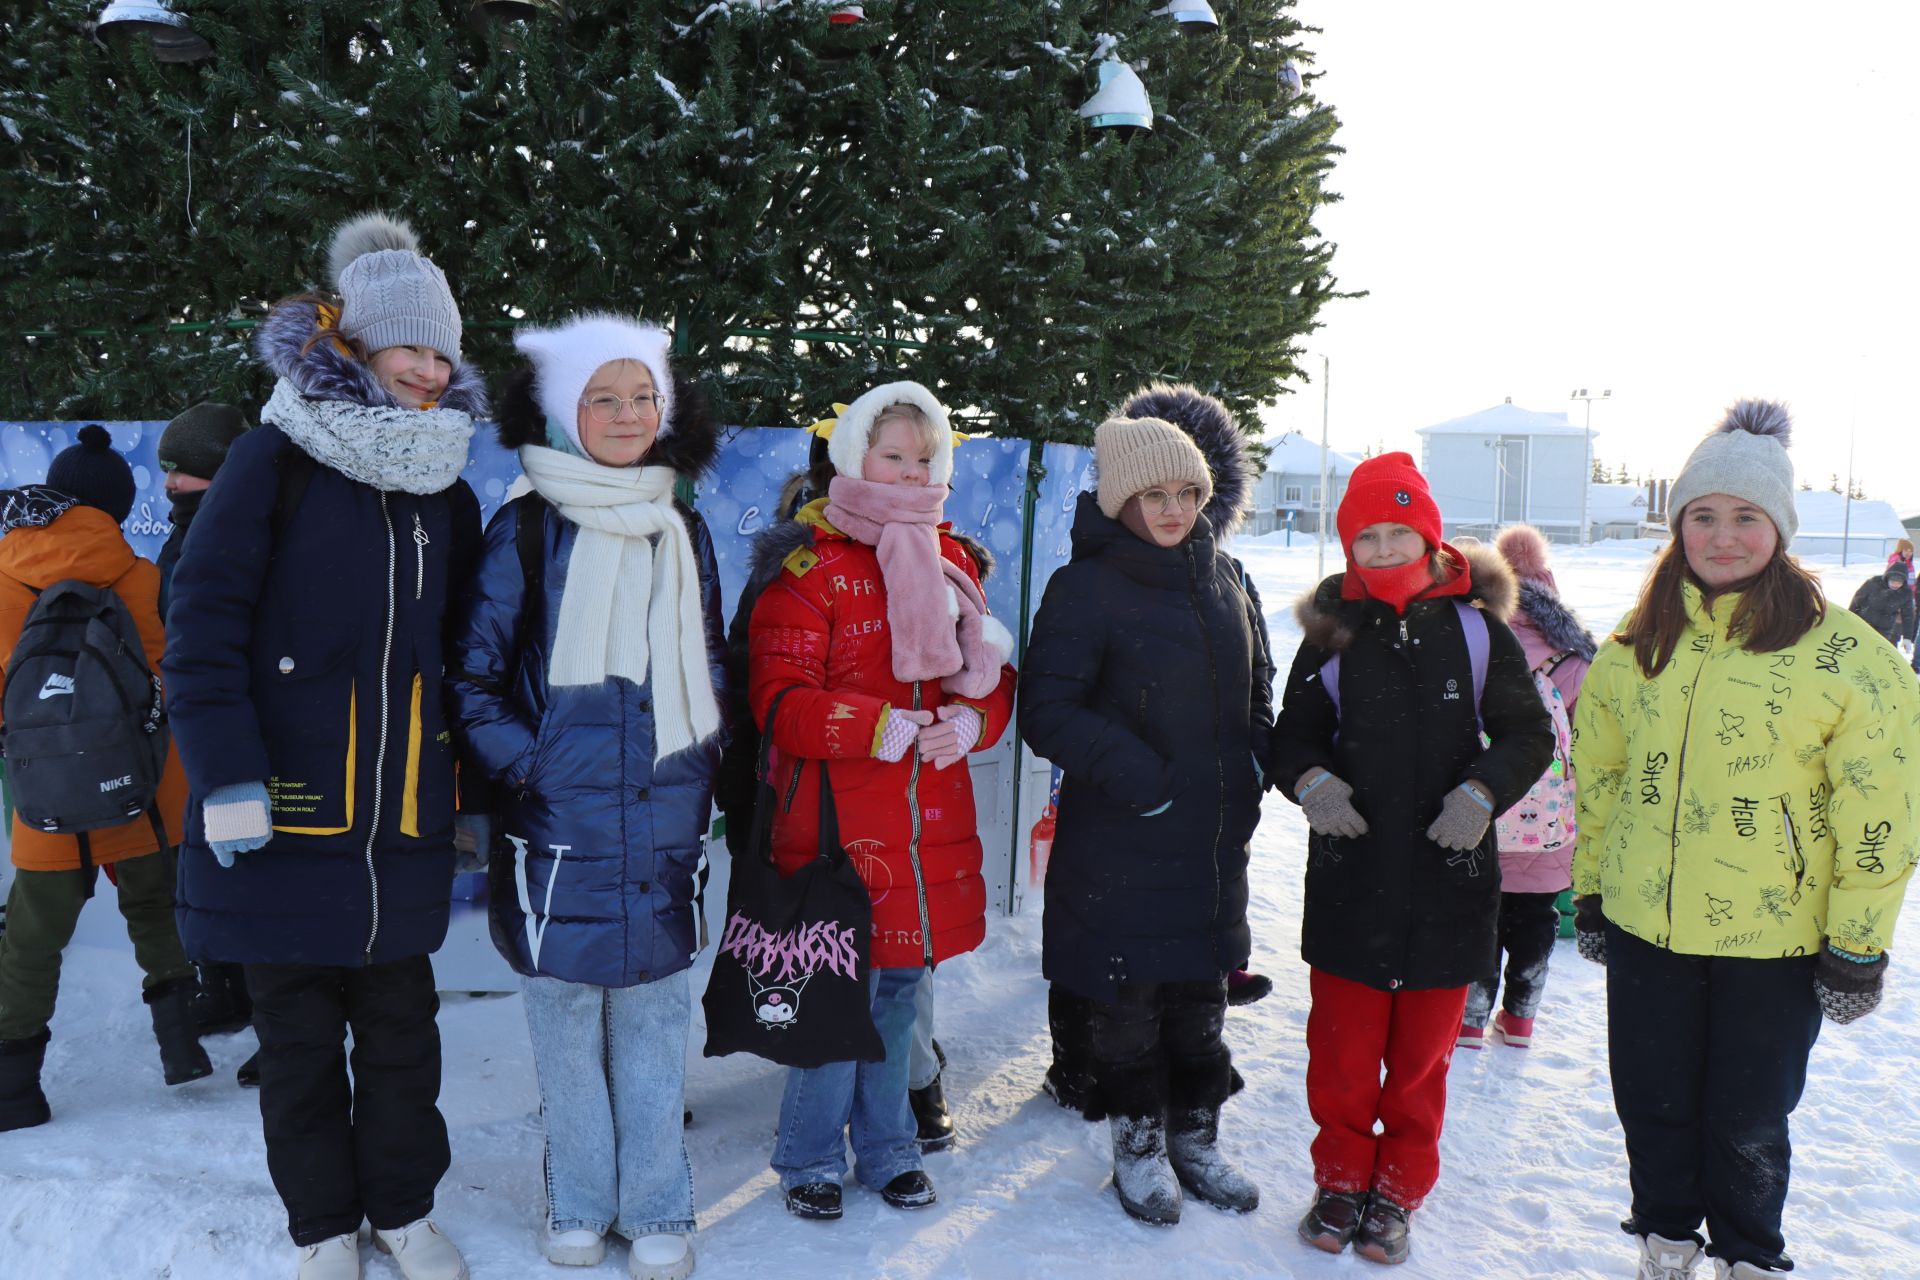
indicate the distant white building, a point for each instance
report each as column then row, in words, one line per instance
column 1506, row 465
column 1290, row 486
column 1864, row 530
column 1618, row 511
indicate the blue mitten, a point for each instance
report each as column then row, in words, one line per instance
column 237, row 819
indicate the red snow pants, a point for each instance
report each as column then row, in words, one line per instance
column 1352, row 1032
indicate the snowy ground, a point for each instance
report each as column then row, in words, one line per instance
column 132, row 1180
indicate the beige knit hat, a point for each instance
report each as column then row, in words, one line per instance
column 1133, row 454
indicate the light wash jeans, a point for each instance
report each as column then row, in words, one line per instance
column 821, row 1102
column 612, row 1063
column 923, row 1067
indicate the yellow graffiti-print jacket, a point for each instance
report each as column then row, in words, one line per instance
column 1750, row 804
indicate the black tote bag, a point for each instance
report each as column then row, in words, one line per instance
column 789, row 978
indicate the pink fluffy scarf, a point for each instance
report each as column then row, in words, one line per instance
column 938, row 619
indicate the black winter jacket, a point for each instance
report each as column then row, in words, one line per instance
column 1391, row 909
column 1147, row 680
column 1888, row 610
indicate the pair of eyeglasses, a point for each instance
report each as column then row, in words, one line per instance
column 604, row 409
column 1159, row 501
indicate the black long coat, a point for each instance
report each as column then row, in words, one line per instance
column 1147, row 681
column 1391, row 909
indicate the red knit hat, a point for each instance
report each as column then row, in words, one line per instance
column 1388, row 488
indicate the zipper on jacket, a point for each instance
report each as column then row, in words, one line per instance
column 420, row 541
column 380, row 751
column 1219, row 769
column 1680, row 775
column 1403, row 629
column 1799, row 854
column 913, row 845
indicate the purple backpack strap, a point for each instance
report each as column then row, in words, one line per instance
column 1473, row 624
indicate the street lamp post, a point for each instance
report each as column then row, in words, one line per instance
column 1320, row 530
column 1586, row 478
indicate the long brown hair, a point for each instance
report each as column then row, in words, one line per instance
column 1777, row 606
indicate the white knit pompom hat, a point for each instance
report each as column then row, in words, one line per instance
column 847, row 446
column 566, row 357
column 1744, row 457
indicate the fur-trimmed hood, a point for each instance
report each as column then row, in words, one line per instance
column 1328, row 621
column 1549, row 616
column 1211, row 427
column 689, row 448
column 327, row 373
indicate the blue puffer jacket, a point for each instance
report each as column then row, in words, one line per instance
column 313, row 663
column 597, row 876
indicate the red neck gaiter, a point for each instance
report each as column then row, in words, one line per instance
column 1401, row 585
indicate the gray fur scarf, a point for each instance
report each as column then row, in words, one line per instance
column 390, row 448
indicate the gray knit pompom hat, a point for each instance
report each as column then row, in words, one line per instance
column 391, row 294
column 1745, row 457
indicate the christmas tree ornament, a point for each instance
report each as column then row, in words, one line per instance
column 845, row 15
column 1194, row 16
column 1290, row 82
column 1120, row 102
column 154, row 22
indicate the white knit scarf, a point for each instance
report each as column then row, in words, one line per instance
column 386, row 446
column 632, row 591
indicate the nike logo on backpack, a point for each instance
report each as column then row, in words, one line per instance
column 55, row 686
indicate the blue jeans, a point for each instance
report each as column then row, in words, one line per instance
column 923, row 1066
column 821, row 1102
column 612, row 1062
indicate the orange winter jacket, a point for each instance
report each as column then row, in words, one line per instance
column 85, row 543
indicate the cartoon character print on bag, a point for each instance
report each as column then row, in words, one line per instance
column 779, row 965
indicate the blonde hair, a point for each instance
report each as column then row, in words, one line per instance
column 911, row 414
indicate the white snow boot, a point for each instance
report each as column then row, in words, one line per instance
column 335, row 1259
column 1664, row 1259
column 666, row 1256
column 1193, row 1149
column 1142, row 1176
column 578, row 1247
column 422, row 1251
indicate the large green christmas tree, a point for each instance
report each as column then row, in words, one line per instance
column 810, row 206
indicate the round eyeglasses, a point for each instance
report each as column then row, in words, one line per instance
column 605, row 408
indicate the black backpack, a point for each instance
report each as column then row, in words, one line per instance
column 86, row 735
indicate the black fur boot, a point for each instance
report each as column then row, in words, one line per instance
column 22, row 1105
column 181, row 1057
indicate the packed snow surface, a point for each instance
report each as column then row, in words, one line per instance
column 135, row 1180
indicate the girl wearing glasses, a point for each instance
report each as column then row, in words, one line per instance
column 587, row 682
column 1379, row 739
column 1147, row 681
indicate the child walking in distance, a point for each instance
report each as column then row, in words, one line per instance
column 69, row 530
column 1147, row 683
column 587, row 682
column 1536, row 835
column 1406, row 659
column 875, row 627
column 304, row 681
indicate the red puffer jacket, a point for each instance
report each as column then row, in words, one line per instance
column 820, row 628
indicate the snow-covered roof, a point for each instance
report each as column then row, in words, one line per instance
column 1824, row 514
column 1616, row 503
column 1506, row 420
column 1294, row 454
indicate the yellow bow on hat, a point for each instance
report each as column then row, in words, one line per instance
column 824, row 427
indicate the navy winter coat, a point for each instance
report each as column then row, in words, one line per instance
column 597, row 873
column 314, row 665
column 1147, row 680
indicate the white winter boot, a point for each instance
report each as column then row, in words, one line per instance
column 1664, row 1259
column 578, row 1247
column 1723, row 1270
column 667, row 1256
column 422, row 1251
column 335, row 1259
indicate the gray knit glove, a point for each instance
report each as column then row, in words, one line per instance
column 1847, row 985
column 1327, row 801
column 1590, row 928
column 1464, row 817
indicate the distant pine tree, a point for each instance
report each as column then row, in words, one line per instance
column 754, row 178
